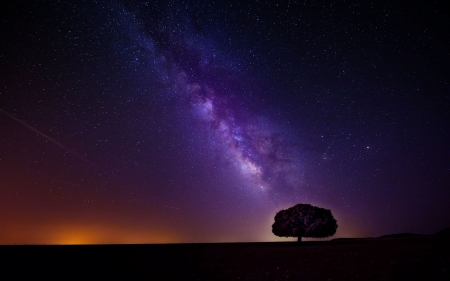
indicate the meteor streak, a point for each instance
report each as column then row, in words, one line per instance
column 171, row 207
column 323, row 156
column 47, row 137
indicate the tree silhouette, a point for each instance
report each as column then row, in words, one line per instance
column 304, row 220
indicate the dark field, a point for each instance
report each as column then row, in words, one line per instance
column 407, row 258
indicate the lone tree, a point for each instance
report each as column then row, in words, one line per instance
column 304, row 220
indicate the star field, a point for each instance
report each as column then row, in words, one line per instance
column 192, row 121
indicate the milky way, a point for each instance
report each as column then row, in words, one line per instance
column 198, row 74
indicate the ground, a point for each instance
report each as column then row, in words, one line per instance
column 398, row 258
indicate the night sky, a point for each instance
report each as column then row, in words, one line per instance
column 196, row 121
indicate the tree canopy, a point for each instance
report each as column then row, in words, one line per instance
column 304, row 220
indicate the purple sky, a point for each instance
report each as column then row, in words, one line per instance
column 192, row 121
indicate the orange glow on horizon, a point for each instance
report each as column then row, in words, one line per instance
column 85, row 234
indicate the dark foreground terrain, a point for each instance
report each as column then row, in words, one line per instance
column 399, row 258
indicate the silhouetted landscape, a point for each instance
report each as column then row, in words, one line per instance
column 390, row 257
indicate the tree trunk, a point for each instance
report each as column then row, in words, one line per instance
column 299, row 239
